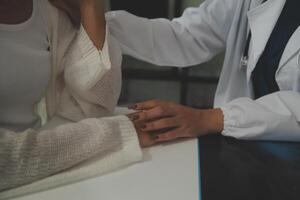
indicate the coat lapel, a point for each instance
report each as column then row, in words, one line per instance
column 262, row 20
column 291, row 49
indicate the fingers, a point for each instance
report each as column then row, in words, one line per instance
column 146, row 140
column 170, row 135
column 161, row 117
column 133, row 116
column 152, row 114
column 145, row 105
column 161, row 124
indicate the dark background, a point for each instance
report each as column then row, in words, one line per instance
column 150, row 9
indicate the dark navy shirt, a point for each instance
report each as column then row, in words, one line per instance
column 263, row 76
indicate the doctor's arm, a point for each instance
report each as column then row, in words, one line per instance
column 275, row 117
column 194, row 38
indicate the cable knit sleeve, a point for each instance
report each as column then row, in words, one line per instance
column 88, row 80
column 32, row 155
column 87, row 87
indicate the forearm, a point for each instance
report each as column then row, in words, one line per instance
column 93, row 20
column 32, row 155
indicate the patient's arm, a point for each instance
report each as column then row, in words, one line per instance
column 89, row 79
column 89, row 13
column 87, row 85
column 31, row 155
column 93, row 20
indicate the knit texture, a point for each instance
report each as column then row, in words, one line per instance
column 105, row 161
column 84, row 87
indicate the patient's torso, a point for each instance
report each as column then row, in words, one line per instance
column 25, row 71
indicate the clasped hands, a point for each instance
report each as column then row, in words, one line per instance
column 160, row 121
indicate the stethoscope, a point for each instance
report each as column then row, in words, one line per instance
column 245, row 58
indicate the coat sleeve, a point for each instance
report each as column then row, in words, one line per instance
column 194, row 38
column 272, row 117
column 32, row 155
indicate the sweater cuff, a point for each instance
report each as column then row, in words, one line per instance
column 229, row 122
column 97, row 62
column 130, row 143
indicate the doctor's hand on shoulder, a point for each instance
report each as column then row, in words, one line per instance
column 159, row 121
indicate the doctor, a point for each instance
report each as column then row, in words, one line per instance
column 258, row 93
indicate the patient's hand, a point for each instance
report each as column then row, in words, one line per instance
column 146, row 139
column 173, row 121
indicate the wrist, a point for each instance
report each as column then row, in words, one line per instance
column 213, row 120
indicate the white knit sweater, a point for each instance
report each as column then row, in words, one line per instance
column 85, row 86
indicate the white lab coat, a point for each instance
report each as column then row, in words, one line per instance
column 203, row 32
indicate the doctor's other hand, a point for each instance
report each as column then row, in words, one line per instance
column 169, row 120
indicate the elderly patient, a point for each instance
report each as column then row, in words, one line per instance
column 51, row 66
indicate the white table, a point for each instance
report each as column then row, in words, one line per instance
column 169, row 172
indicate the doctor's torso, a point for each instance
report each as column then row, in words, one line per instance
column 235, row 80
